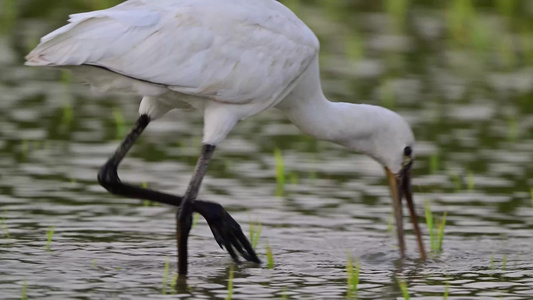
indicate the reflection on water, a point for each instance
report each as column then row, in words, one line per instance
column 461, row 74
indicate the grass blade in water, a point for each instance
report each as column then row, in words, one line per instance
column 165, row 276
column 441, row 231
column 403, row 288
column 270, row 257
column 23, row 296
column 429, row 222
column 230, row 284
column 504, row 262
column 50, row 234
column 352, row 274
column 280, row 172
column 255, row 233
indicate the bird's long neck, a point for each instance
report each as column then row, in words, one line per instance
column 341, row 123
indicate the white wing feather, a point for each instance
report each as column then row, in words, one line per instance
column 233, row 51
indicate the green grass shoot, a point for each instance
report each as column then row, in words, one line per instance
column 230, row 284
column 120, row 127
column 165, row 276
column 270, row 257
column 255, row 233
column 446, row 291
column 390, row 223
column 146, row 203
column 429, row 223
column 470, row 181
column 492, row 262
column 442, row 225
column 436, row 234
column 173, row 283
column 352, row 274
column 280, row 172
column 24, row 288
column 284, row 296
column 195, row 217
column 66, row 115
column 504, row 262
column 434, row 163
column 93, row 263
column 49, row 234
column 403, row 288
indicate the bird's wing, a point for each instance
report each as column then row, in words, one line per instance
column 233, row 51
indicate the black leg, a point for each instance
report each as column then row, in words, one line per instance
column 184, row 214
column 226, row 230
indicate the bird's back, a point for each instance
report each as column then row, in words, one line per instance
column 232, row 51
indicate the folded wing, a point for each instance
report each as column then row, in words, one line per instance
column 230, row 53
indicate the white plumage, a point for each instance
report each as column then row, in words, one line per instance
column 230, row 59
column 236, row 52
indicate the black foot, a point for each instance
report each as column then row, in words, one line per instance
column 226, row 230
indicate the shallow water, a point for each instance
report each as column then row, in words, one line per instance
column 467, row 94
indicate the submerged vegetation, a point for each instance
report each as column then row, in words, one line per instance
column 403, row 288
column 352, row 274
column 24, row 288
column 255, row 233
column 165, row 275
column 230, row 284
column 49, row 234
column 436, row 233
column 270, row 257
column 280, row 172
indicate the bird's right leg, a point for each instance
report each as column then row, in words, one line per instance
column 225, row 229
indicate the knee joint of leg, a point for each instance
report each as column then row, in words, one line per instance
column 108, row 177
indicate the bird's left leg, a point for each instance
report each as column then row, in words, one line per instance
column 226, row 230
column 184, row 214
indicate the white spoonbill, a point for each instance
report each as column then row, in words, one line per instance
column 229, row 59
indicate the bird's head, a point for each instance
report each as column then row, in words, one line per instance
column 388, row 138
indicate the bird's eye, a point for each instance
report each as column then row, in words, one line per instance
column 407, row 151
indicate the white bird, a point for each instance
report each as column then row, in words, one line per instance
column 229, row 59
